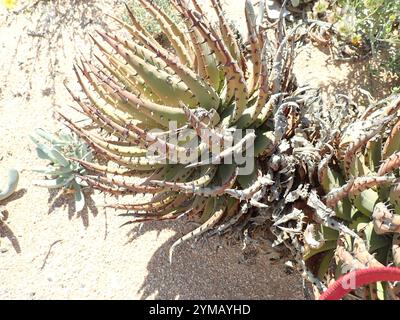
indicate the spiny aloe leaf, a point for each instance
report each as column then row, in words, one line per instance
column 171, row 33
column 374, row 241
column 366, row 201
column 215, row 209
column 392, row 143
column 374, row 154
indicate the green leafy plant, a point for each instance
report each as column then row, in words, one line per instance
column 376, row 20
column 165, row 118
column 366, row 26
column 203, row 82
column 361, row 186
column 61, row 149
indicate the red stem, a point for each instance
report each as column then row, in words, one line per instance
column 359, row 278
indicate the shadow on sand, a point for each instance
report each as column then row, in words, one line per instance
column 211, row 270
column 59, row 199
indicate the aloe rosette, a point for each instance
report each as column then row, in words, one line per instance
column 213, row 126
column 208, row 83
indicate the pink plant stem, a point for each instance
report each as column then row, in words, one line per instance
column 361, row 278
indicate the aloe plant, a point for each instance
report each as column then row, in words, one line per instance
column 167, row 118
column 362, row 188
column 207, row 81
column 62, row 172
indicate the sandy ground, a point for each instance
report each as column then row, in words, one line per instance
column 48, row 252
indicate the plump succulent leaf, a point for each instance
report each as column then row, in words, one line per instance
column 11, row 186
column 61, row 172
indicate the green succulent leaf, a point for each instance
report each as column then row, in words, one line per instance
column 328, row 245
column 54, row 183
column 11, row 186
